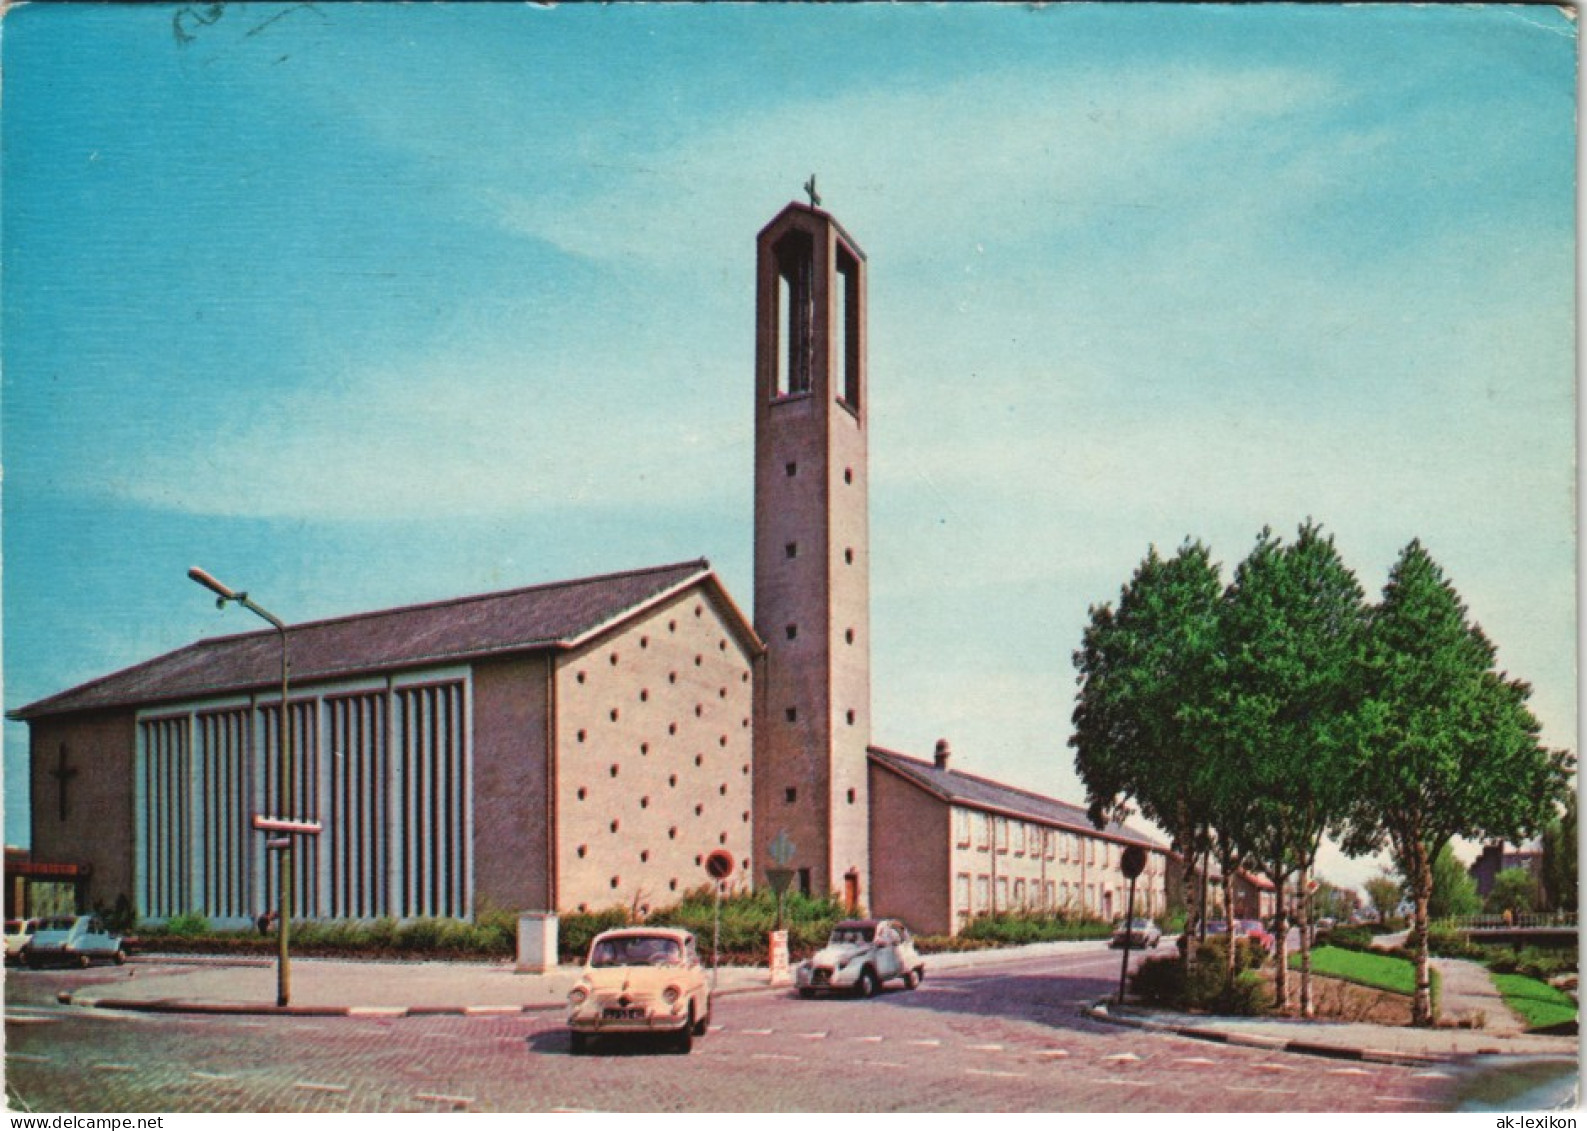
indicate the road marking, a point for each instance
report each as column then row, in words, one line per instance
column 1122, row 1058
column 999, row 1075
column 1429, row 1076
column 1403, row 1100
column 756, row 1032
column 1198, row 1061
column 871, row 1040
column 813, row 1036
column 984, row 1048
column 1053, row 1054
column 927, row 1044
column 1263, row 1091
column 1348, row 1072
column 310, row 1086
column 438, row 1098
column 113, row 1068
column 489, row 1010
column 30, row 1058
column 773, row 1056
column 1275, row 1067
column 211, row 1076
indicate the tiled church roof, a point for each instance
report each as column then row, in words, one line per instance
column 556, row 615
column 969, row 791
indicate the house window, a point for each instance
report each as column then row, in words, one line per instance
column 961, row 828
column 983, row 825
column 1019, row 893
column 961, row 896
column 791, row 795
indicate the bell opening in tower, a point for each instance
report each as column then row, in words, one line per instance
column 795, row 255
column 849, row 274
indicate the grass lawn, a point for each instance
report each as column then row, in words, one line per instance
column 1380, row 971
column 1538, row 1002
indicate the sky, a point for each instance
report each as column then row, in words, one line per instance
column 358, row 306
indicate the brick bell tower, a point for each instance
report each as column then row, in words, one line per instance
column 812, row 555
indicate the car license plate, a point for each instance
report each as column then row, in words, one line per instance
column 623, row 1014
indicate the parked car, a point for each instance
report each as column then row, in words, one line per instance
column 72, row 940
column 861, row 956
column 1243, row 928
column 641, row 980
column 18, row 932
column 1257, row 933
column 1143, row 933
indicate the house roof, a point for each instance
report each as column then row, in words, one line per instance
column 559, row 615
column 972, row 792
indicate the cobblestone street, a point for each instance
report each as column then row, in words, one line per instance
column 1010, row 1039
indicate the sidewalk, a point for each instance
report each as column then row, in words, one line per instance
column 394, row 989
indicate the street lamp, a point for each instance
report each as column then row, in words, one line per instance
column 223, row 594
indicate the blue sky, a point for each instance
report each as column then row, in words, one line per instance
column 358, row 306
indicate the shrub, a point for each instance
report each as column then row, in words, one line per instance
column 1351, row 938
column 1530, row 962
column 1204, row 984
column 190, row 925
column 1448, row 943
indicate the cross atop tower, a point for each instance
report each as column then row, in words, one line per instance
column 810, row 190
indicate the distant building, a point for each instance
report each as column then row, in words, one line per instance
column 950, row 846
column 580, row 744
column 1499, row 857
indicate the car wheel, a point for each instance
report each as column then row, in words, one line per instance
column 33, row 963
column 703, row 1026
column 82, row 961
column 120, row 956
column 867, row 985
column 578, row 1044
column 683, row 1039
column 911, row 979
column 805, row 992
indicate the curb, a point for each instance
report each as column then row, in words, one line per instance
column 1100, row 1012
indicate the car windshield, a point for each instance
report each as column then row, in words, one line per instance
column 852, row 936
column 61, row 924
column 637, row 950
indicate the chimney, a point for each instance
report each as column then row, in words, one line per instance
column 943, row 754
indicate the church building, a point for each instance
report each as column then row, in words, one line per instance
column 576, row 745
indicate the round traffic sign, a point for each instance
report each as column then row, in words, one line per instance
column 719, row 865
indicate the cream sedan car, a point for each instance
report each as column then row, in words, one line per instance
column 641, row 980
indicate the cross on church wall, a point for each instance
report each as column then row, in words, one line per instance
column 63, row 774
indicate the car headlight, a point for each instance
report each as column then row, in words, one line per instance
column 670, row 995
column 578, row 996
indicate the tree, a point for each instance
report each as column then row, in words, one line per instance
column 1451, row 748
column 1514, row 892
column 1385, row 892
column 1142, row 671
column 1454, row 892
column 1292, row 624
column 1559, row 859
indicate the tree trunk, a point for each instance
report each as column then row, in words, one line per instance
column 1422, row 884
column 1280, row 948
column 1228, row 863
column 1307, row 1007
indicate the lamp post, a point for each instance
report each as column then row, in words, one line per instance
column 224, row 593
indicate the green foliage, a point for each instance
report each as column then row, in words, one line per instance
column 1453, row 944
column 1559, row 859
column 1454, row 892
column 1351, row 938
column 575, row 931
column 1451, row 748
column 1539, row 1003
column 1530, row 961
column 1144, row 677
column 1018, row 928
column 1204, row 983
column 1514, row 890
column 193, row 924
column 121, row 918
column 1385, row 892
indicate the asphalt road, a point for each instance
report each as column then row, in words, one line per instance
column 1006, row 1038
